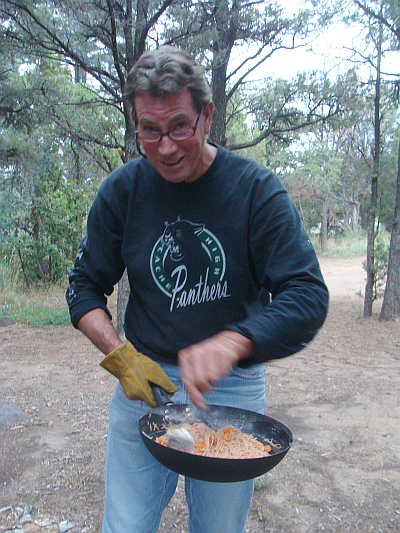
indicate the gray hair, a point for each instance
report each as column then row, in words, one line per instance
column 167, row 71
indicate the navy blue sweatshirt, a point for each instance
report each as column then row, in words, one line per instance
column 226, row 251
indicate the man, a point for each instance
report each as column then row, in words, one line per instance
column 206, row 236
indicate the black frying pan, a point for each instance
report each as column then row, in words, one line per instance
column 212, row 468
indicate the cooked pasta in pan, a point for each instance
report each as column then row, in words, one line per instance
column 225, row 443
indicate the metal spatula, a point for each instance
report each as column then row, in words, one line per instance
column 178, row 437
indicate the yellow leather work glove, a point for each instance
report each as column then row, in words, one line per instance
column 134, row 371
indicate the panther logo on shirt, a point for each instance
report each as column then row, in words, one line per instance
column 188, row 264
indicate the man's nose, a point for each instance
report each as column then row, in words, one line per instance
column 166, row 145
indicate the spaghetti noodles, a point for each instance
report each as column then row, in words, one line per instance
column 225, row 443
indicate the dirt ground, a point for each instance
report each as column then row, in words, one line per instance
column 339, row 396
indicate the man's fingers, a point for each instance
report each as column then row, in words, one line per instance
column 194, row 378
column 205, row 363
column 197, row 398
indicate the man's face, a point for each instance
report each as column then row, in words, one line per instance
column 176, row 161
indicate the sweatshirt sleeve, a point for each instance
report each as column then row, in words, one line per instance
column 293, row 298
column 98, row 265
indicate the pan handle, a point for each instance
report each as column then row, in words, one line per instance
column 160, row 395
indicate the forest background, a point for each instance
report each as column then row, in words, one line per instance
column 330, row 134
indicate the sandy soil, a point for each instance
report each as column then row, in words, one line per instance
column 340, row 397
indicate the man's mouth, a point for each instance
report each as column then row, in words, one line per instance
column 172, row 163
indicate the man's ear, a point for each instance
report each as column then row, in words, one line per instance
column 208, row 112
column 133, row 116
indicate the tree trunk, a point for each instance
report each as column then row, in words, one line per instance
column 122, row 301
column 391, row 300
column 222, row 48
column 131, row 151
column 323, row 239
column 43, row 267
column 80, row 74
column 355, row 220
column 133, row 53
column 369, row 287
column 218, row 85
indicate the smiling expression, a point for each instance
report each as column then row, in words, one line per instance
column 176, row 161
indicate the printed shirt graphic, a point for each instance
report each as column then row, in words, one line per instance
column 188, row 264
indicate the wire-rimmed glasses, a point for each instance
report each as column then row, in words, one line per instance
column 180, row 132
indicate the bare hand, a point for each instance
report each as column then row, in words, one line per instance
column 206, row 362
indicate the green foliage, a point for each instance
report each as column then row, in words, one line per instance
column 9, row 273
column 59, row 138
column 46, row 234
column 343, row 245
column 49, row 173
column 37, row 307
column 35, row 314
column 315, row 179
column 261, row 481
column 379, row 270
column 217, row 25
column 387, row 181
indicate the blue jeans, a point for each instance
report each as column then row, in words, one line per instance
column 138, row 488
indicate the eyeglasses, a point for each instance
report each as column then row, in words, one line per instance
column 180, row 132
